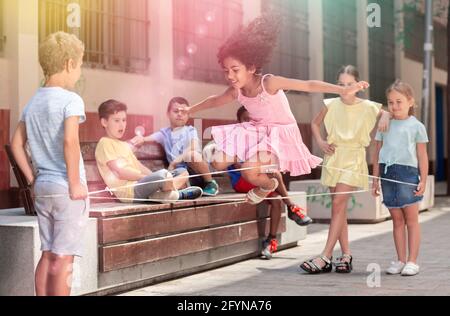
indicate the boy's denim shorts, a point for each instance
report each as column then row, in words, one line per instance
column 62, row 221
column 396, row 195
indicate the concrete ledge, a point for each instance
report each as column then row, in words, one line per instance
column 362, row 207
column 20, row 254
column 163, row 270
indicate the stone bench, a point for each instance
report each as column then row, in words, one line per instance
column 132, row 234
column 143, row 243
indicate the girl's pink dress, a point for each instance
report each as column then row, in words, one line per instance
column 272, row 128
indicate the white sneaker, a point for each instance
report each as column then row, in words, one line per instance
column 165, row 196
column 396, row 267
column 410, row 269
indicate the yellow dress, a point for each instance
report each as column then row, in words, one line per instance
column 348, row 128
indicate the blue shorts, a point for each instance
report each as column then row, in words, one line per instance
column 396, row 195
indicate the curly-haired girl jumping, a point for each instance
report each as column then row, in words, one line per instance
column 272, row 136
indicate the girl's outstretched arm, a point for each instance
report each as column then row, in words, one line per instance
column 214, row 101
column 275, row 83
column 422, row 156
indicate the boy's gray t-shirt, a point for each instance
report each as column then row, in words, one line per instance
column 44, row 118
column 175, row 142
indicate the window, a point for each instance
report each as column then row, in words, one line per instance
column 415, row 38
column 199, row 28
column 339, row 25
column 440, row 46
column 291, row 56
column 382, row 52
column 414, row 29
column 115, row 32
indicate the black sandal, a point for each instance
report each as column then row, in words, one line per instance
column 344, row 266
column 312, row 268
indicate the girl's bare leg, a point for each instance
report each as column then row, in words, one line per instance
column 343, row 238
column 412, row 222
column 282, row 190
column 399, row 232
column 338, row 217
column 256, row 174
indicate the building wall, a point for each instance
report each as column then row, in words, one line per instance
column 412, row 74
column 149, row 94
column 5, row 83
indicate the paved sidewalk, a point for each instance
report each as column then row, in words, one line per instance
column 371, row 244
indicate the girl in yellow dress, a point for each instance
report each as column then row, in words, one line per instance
column 348, row 121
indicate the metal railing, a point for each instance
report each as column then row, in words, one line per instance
column 115, row 32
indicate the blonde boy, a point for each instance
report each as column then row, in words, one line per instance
column 49, row 123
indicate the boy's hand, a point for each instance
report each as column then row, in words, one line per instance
column 31, row 182
column 171, row 167
column 420, row 189
column 327, row 148
column 78, row 192
column 356, row 87
column 376, row 188
column 137, row 141
column 30, row 185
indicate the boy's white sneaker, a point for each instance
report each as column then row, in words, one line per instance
column 410, row 269
column 396, row 267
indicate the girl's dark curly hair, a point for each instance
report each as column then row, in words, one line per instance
column 254, row 44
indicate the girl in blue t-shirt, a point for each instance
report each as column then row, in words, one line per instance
column 402, row 156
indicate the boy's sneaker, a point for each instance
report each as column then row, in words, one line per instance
column 190, row 193
column 165, row 196
column 297, row 214
column 211, row 188
column 396, row 267
column 269, row 247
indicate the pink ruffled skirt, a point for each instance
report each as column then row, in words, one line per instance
column 245, row 140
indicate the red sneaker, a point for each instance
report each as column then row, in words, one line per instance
column 298, row 215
